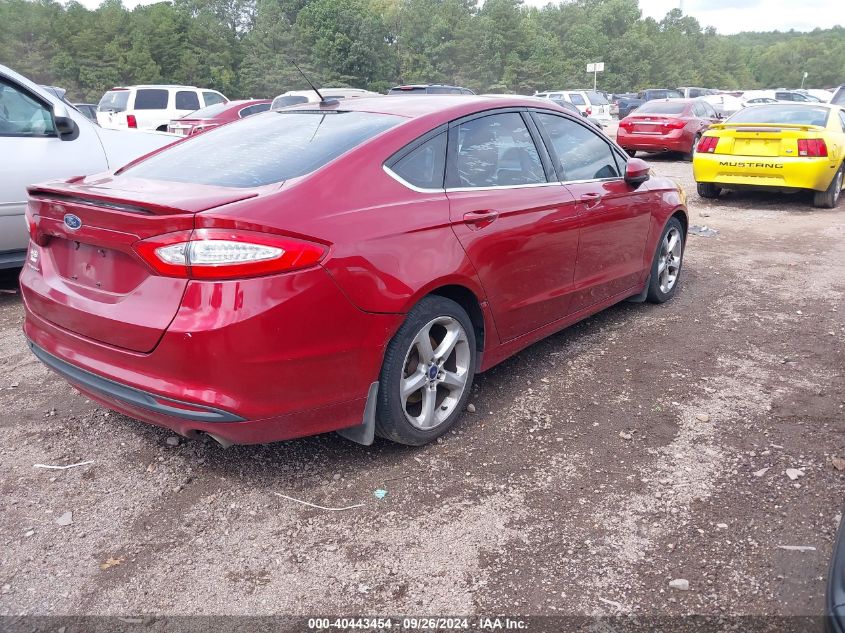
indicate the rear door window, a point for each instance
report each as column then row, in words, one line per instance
column 424, row 165
column 187, row 100
column 494, row 151
column 264, row 149
column 151, row 99
column 579, row 153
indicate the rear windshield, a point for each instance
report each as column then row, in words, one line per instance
column 263, row 149
column 208, row 112
column 661, row 107
column 284, row 101
column 782, row 113
column 596, row 98
column 114, row 101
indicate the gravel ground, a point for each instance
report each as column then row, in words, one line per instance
column 645, row 445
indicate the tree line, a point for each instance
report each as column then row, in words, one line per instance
column 244, row 48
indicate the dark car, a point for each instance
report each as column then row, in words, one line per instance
column 626, row 106
column 340, row 267
column 89, row 110
column 217, row 114
column 666, row 125
column 835, row 599
column 429, row 89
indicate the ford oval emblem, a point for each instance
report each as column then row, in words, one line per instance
column 72, row 221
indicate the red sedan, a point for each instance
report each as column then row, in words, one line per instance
column 666, row 125
column 217, row 114
column 349, row 266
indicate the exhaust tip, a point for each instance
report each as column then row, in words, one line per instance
column 224, row 443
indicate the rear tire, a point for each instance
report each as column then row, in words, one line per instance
column 708, row 190
column 829, row 198
column 427, row 374
column 666, row 267
column 631, row 152
column 691, row 154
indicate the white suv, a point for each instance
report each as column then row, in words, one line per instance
column 589, row 102
column 152, row 107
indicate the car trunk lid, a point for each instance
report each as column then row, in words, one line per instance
column 764, row 140
column 92, row 281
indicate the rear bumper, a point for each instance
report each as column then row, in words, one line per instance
column 130, row 396
column 675, row 141
column 250, row 361
column 767, row 172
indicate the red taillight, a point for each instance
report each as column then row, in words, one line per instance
column 813, row 147
column 625, row 124
column 226, row 254
column 589, row 111
column 131, row 121
column 31, row 225
column 674, row 124
column 708, row 144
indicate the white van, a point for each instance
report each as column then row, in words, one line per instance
column 295, row 97
column 152, row 107
column 589, row 102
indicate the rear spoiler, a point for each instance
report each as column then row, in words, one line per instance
column 147, row 197
column 767, row 127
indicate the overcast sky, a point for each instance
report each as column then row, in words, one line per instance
column 728, row 16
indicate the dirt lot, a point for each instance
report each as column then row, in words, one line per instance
column 647, row 444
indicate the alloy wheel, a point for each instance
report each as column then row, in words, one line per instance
column 435, row 372
column 669, row 262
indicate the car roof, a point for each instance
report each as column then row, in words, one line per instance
column 161, row 86
column 412, row 107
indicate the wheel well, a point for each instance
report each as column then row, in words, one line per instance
column 682, row 218
column 469, row 302
column 161, row 128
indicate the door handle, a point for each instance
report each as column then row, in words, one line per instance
column 590, row 199
column 479, row 219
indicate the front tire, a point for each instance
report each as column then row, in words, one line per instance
column 427, row 375
column 666, row 267
column 829, row 198
column 708, row 190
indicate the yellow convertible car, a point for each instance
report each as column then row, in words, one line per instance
column 780, row 147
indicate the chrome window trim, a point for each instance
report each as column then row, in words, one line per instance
column 589, row 180
column 532, row 185
column 405, row 183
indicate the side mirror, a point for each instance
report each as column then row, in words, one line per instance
column 66, row 127
column 637, row 171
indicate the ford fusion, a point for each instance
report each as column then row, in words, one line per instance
column 340, row 267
